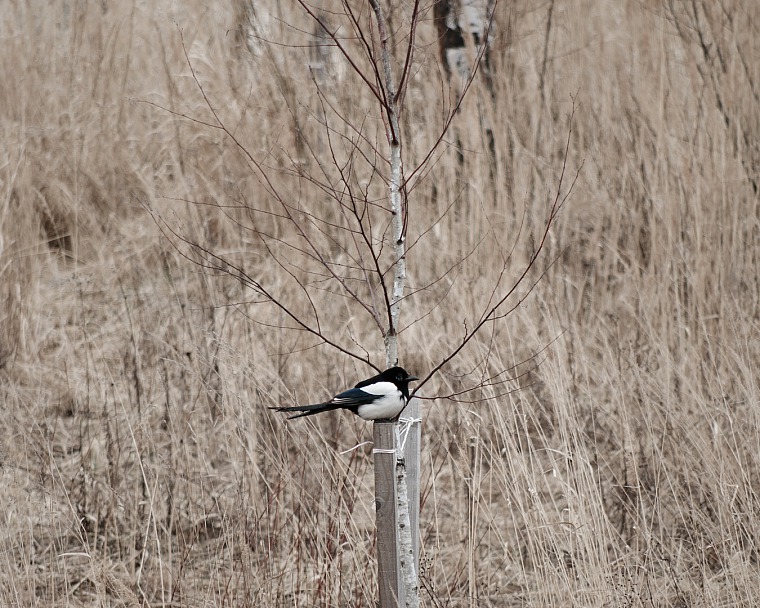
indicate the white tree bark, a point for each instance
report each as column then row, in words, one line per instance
column 409, row 591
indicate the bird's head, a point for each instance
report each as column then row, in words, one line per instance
column 399, row 376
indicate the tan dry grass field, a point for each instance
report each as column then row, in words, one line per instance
column 139, row 464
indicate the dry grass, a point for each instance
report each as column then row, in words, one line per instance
column 139, row 463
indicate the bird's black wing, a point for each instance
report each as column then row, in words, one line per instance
column 353, row 398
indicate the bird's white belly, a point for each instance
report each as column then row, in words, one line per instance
column 384, row 408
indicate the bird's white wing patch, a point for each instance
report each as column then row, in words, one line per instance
column 380, row 388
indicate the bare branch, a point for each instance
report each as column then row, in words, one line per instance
column 372, row 87
column 493, row 313
column 218, row 263
column 453, row 112
column 402, row 83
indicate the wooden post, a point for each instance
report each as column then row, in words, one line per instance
column 388, row 567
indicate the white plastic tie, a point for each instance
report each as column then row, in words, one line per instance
column 402, row 432
column 356, row 447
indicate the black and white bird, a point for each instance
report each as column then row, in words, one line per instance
column 380, row 397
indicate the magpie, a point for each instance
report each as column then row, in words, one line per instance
column 380, row 397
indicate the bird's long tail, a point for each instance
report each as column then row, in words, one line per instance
column 307, row 410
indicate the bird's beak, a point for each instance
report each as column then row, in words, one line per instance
column 411, row 378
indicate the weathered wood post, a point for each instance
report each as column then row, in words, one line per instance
column 388, row 567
